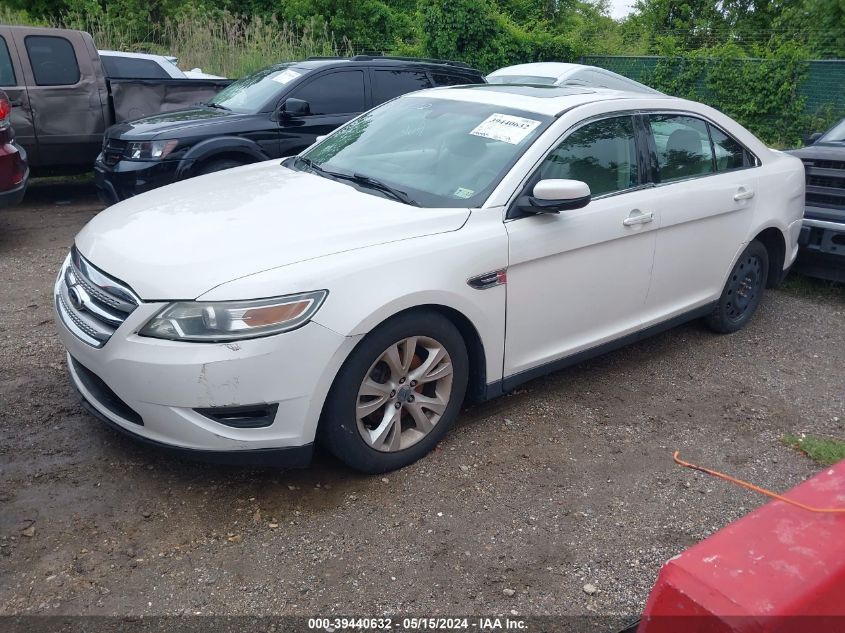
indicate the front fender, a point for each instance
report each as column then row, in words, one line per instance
column 220, row 145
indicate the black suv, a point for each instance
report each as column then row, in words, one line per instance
column 278, row 111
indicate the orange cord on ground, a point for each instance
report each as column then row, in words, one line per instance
column 749, row 486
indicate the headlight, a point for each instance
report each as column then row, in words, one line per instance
column 231, row 320
column 150, row 150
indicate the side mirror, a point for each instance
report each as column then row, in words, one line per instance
column 555, row 195
column 815, row 136
column 295, row 107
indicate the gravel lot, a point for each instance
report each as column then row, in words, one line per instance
column 566, row 482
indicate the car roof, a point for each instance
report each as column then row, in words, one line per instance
column 547, row 100
column 539, row 69
column 150, row 56
column 313, row 63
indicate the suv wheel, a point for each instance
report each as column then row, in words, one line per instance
column 743, row 290
column 397, row 394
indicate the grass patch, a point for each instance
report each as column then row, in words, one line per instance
column 822, row 450
column 804, row 286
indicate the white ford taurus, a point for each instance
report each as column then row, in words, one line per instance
column 442, row 248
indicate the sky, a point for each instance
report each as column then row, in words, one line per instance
column 620, row 8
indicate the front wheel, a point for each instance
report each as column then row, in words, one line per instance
column 743, row 291
column 397, row 394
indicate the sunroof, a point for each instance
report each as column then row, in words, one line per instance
column 533, row 90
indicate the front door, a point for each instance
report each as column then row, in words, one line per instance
column 64, row 97
column 705, row 197
column 333, row 98
column 580, row 278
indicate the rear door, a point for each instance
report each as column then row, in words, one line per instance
column 705, row 187
column 64, row 96
column 334, row 97
column 389, row 83
column 13, row 83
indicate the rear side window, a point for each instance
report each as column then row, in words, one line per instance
column 7, row 70
column 602, row 154
column 335, row 93
column 132, row 68
column 53, row 60
column 388, row 84
column 444, row 79
column 683, row 146
column 729, row 153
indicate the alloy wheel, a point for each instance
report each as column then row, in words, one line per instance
column 404, row 394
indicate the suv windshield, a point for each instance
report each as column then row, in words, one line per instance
column 438, row 152
column 835, row 134
column 250, row 94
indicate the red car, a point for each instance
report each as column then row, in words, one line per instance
column 14, row 171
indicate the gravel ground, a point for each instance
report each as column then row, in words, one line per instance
column 566, row 482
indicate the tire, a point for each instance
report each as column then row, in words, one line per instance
column 743, row 291
column 379, row 375
column 218, row 165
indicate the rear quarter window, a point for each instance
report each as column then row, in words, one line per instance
column 446, row 79
column 117, row 67
column 388, row 84
column 53, row 60
column 7, row 70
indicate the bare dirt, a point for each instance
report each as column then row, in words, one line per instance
column 566, row 482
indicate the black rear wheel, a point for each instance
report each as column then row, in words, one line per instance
column 743, row 291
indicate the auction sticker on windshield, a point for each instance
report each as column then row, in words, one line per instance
column 505, row 127
column 286, row 76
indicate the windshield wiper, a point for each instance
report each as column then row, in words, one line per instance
column 360, row 179
column 218, row 106
column 374, row 183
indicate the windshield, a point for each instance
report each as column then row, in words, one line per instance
column 835, row 134
column 521, row 79
column 250, row 94
column 439, row 152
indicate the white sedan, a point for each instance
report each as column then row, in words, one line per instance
column 441, row 249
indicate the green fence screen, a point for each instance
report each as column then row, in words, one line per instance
column 823, row 87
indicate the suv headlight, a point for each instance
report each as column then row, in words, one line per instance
column 210, row 322
column 150, row 150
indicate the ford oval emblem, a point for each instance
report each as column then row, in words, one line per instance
column 77, row 296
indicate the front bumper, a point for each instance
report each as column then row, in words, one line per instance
column 152, row 388
column 822, row 250
column 128, row 178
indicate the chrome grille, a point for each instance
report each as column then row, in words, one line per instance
column 825, row 189
column 91, row 304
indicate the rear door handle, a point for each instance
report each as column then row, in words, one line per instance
column 743, row 194
column 638, row 217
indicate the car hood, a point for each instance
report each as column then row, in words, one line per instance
column 182, row 240
column 172, row 123
column 831, row 150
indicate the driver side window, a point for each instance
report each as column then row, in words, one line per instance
column 603, row 154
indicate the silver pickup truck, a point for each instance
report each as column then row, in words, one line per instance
column 63, row 101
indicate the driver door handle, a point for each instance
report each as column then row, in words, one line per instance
column 638, row 217
column 743, row 194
